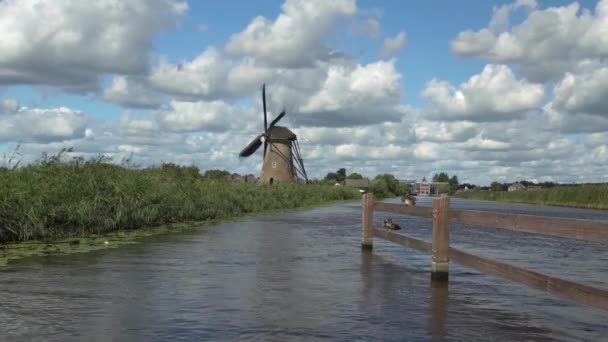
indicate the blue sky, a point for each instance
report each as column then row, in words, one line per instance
column 501, row 90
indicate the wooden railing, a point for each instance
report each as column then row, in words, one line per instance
column 442, row 253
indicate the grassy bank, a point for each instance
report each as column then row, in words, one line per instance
column 585, row 196
column 54, row 200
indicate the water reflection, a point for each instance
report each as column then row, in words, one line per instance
column 295, row 276
column 438, row 308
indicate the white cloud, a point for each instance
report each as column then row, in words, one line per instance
column 8, row 105
column 392, row 45
column 130, row 92
column 354, row 95
column 583, row 93
column 296, row 38
column 493, row 95
column 345, row 112
column 204, row 116
column 546, row 44
column 42, row 125
column 442, row 131
column 203, row 77
column 71, row 43
column 500, row 18
column 137, row 127
column 595, row 139
column 428, row 151
column 565, row 122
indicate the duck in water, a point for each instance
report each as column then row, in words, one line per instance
column 388, row 224
column 408, row 199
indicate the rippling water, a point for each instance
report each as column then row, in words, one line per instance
column 302, row 276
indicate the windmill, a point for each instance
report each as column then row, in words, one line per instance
column 282, row 160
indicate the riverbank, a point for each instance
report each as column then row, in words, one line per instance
column 584, row 196
column 54, row 200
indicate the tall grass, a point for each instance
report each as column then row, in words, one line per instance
column 584, row 196
column 54, row 199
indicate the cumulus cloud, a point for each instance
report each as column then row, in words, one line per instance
column 546, row 44
column 204, row 116
column 392, row 45
column 355, row 94
column 565, row 122
column 501, row 17
column 9, row 105
column 71, row 44
column 297, row 38
column 130, row 126
column 130, row 92
column 346, row 113
column 493, row 95
column 203, row 77
column 583, row 93
column 445, row 131
column 42, row 125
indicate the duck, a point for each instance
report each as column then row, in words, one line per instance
column 408, row 199
column 388, row 224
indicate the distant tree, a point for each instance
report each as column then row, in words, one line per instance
column 216, row 174
column 386, row 185
column 354, row 175
column 495, row 186
column 331, row 176
column 341, row 174
column 423, row 179
column 453, row 184
column 548, row 184
column 336, row 177
column 441, row 177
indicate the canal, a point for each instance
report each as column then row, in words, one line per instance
column 301, row 276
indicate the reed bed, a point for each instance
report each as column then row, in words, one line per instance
column 54, row 199
column 584, row 196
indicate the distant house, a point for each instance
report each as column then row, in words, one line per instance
column 516, row 187
column 430, row 188
column 361, row 184
column 243, row 179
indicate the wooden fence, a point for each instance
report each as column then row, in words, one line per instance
column 442, row 253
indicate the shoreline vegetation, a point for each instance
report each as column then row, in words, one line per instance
column 584, row 196
column 54, row 206
column 52, row 199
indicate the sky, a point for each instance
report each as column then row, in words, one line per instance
column 487, row 91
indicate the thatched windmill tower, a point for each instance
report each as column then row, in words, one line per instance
column 283, row 161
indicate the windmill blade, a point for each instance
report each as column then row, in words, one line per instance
column 274, row 122
column 264, row 104
column 252, row 147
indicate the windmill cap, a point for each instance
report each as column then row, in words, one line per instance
column 281, row 133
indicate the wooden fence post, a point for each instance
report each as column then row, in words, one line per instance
column 441, row 239
column 368, row 222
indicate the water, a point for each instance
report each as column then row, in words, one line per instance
column 301, row 276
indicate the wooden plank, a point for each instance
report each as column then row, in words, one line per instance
column 441, row 239
column 403, row 240
column 402, row 209
column 580, row 293
column 561, row 227
column 367, row 219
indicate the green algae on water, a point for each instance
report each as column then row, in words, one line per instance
column 24, row 249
